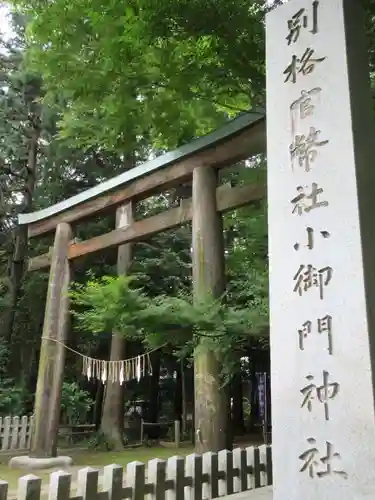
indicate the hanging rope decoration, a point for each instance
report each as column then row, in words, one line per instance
column 115, row 371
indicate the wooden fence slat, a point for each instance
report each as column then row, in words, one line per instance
column 87, row 483
column 112, row 481
column 30, row 431
column 157, row 476
column 195, row 477
column 6, row 433
column 226, row 465
column 176, row 473
column 250, row 467
column 141, row 439
column 263, row 464
column 59, row 485
column 257, row 478
column 135, row 479
column 194, row 469
column 14, row 433
column 177, row 433
column 269, row 466
column 240, row 463
column 29, row 487
column 211, row 468
column 3, row 490
column 23, row 432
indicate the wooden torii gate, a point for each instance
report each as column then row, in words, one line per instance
column 197, row 162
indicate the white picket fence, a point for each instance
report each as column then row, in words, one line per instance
column 195, row 477
column 15, row 433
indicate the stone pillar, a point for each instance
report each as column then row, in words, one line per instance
column 321, row 178
column 208, row 281
column 52, row 354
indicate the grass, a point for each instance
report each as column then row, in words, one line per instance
column 96, row 459
column 142, row 454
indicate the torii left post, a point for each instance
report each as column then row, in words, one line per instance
column 52, row 359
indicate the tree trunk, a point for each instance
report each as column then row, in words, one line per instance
column 208, row 281
column 17, row 264
column 112, row 423
column 52, row 352
column 97, row 419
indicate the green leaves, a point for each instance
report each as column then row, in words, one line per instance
column 140, row 68
column 108, row 304
column 129, row 79
column 75, row 403
column 118, row 304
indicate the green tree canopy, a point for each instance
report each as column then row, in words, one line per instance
column 136, row 69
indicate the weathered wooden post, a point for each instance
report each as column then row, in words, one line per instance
column 208, row 281
column 113, row 410
column 52, row 356
column 177, row 433
column 142, row 437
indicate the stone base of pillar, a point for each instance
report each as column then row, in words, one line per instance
column 32, row 463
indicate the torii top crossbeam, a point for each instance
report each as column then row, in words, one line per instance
column 240, row 138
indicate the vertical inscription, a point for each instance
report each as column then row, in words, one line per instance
column 308, row 277
column 311, row 238
column 303, row 65
column 307, row 144
column 304, row 106
column 305, row 202
column 323, row 326
column 302, row 20
column 305, row 148
column 323, row 393
column 314, row 461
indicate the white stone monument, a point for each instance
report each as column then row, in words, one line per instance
column 321, row 195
